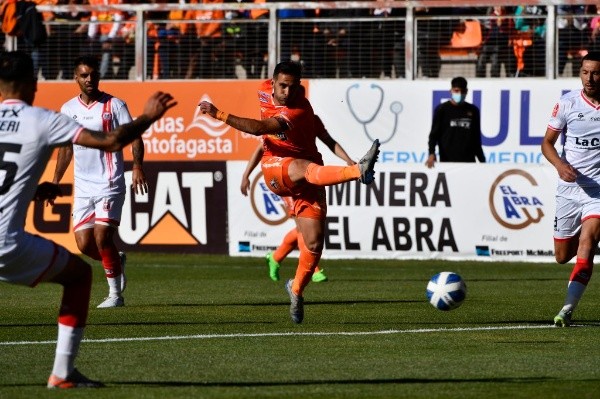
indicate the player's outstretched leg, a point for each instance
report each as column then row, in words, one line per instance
column 367, row 163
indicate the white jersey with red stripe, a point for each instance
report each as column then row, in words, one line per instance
column 98, row 172
column 582, row 137
column 28, row 136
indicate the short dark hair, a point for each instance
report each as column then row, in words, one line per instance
column 289, row 68
column 86, row 59
column 591, row 56
column 459, row 82
column 16, row 66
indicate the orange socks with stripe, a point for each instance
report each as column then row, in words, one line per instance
column 329, row 175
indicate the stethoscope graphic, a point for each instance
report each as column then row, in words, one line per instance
column 395, row 108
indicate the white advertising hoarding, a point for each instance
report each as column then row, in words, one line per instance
column 514, row 115
column 454, row 211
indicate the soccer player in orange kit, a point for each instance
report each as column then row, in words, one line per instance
column 290, row 240
column 293, row 167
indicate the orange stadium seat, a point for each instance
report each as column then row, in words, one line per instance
column 464, row 43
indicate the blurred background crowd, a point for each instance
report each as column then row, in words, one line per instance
column 184, row 40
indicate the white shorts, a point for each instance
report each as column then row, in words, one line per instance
column 88, row 211
column 35, row 259
column 574, row 204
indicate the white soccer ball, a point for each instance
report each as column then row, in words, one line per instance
column 446, row 291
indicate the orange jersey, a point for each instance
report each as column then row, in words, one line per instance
column 299, row 140
column 106, row 16
column 207, row 27
column 259, row 13
column 48, row 16
column 175, row 16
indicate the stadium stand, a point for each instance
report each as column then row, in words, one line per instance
column 367, row 42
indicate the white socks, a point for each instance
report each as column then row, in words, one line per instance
column 575, row 291
column 114, row 286
column 67, row 346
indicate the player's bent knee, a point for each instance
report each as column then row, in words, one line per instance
column 314, row 246
column 76, row 271
column 562, row 259
column 563, row 256
column 85, row 246
column 564, row 251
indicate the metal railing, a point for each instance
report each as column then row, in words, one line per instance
column 408, row 39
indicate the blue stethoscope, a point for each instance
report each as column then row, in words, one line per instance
column 395, row 108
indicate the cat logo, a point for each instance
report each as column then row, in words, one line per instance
column 185, row 210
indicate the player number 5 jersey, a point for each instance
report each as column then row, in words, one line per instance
column 28, row 136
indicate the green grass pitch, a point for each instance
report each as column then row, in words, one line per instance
column 218, row 327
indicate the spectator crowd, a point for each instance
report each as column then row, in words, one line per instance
column 188, row 43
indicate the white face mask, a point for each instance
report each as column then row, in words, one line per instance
column 458, row 97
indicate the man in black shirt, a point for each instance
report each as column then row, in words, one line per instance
column 456, row 128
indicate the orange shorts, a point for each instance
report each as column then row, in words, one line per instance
column 289, row 204
column 305, row 199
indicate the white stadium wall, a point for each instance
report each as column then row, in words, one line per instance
column 502, row 210
column 454, row 211
column 514, row 115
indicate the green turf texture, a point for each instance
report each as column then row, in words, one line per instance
column 215, row 303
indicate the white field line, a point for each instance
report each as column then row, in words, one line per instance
column 291, row 334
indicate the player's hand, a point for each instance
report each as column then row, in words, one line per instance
column 208, row 108
column 47, row 191
column 138, row 181
column 245, row 186
column 430, row 162
column 158, row 103
column 566, row 172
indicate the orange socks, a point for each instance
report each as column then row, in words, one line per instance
column 330, row 175
column 306, row 266
column 301, row 245
column 289, row 243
